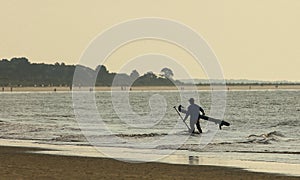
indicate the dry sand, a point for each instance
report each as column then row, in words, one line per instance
column 18, row 163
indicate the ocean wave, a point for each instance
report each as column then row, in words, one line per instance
column 287, row 123
column 70, row 138
column 141, row 135
column 268, row 135
column 268, row 152
column 190, row 147
column 257, row 141
column 53, row 115
column 82, row 138
column 266, row 138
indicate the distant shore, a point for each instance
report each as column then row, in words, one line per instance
column 154, row 88
column 21, row 163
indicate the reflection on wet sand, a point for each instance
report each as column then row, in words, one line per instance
column 193, row 160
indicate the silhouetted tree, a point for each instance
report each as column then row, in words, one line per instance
column 134, row 74
column 167, row 73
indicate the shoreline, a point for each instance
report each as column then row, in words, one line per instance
column 31, row 159
column 22, row 162
column 151, row 88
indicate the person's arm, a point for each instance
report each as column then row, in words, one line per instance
column 186, row 115
column 202, row 110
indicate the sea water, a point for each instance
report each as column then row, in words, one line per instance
column 264, row 124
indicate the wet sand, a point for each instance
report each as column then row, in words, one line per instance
column 19, row 163
column 154, row 88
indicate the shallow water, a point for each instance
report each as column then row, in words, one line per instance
column 264, row 124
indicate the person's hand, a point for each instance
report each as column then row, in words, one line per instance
column 179, row 108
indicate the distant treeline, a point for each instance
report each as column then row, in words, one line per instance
column 20, row 72
column 275, row 83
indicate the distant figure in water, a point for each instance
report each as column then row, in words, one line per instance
column 193, row 112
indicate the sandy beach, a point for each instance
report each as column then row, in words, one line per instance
column 154, row 88
column 19, row 163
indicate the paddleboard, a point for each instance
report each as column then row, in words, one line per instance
column 217, row 121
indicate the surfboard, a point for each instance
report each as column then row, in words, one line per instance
column 217, row 121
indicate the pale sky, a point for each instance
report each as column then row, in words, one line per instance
column 253, row 39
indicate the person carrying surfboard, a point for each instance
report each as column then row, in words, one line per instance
column 195, row 116
column 193, row 112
